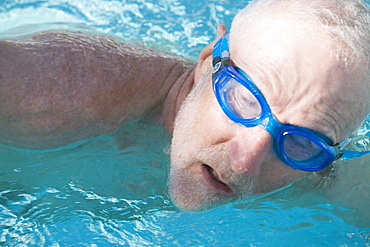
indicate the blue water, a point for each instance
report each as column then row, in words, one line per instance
column 111, row 190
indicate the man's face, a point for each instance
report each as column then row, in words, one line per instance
column 216, row 161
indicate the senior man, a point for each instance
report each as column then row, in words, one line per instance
column 275, row 98
column 309, row 59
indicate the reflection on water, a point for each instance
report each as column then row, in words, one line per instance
column 87, row 187
column 178, row 26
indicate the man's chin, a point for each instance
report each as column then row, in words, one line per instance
column 192, row 195
column 196, row 203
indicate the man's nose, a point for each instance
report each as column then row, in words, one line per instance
column 249, row 150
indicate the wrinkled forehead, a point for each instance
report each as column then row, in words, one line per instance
column 290, row 61
column 278, row 39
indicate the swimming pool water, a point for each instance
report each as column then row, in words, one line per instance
column 111, row 190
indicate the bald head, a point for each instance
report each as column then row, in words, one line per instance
column 308, row 50
column 347, row 21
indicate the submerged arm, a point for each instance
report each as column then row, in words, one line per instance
column 60, row 87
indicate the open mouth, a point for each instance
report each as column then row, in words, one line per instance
column 214, row 174
column 216, row 179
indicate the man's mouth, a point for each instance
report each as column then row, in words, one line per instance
column 216, row 180
column 214, row 174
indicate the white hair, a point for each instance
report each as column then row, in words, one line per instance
column 346, row 21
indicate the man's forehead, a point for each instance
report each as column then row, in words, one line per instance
column 283, row 48
column 275, row 38
column 290, row 62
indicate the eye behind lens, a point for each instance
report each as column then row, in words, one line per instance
column 300, row 148
column 303, row 153
column 240, row 100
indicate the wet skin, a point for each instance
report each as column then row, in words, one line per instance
column 58, row 87
column 215, row 161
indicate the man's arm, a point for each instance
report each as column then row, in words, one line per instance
column 59, row 87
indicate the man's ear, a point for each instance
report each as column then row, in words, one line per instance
column 205, row 57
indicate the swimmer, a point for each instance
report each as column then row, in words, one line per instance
column 275, row 98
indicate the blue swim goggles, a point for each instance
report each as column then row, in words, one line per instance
column 301, row 148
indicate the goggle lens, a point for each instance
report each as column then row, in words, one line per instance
column 300, row 148
column 241, row 101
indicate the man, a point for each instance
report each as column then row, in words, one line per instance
column 300, row 89
column 310, row 77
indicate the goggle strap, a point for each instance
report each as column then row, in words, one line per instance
column 350, row 154
column 216, row 60
column 220, row 53
column 219, row 62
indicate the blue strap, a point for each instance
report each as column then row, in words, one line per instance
column 350, row 154
column 220, row 53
